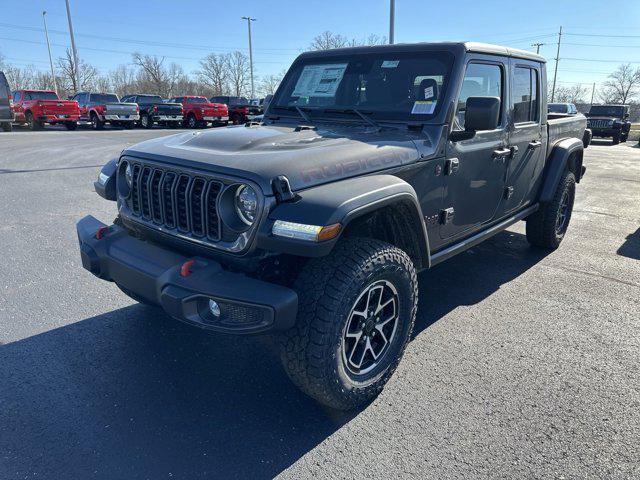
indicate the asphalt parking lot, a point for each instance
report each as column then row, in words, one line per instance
column 524, row 364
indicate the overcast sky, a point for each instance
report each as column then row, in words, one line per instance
column 598, row 37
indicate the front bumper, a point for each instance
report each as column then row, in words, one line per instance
column 605, row 132
column 167, row 118
column 155, row 274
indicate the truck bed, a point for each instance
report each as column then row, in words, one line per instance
column 561, row 126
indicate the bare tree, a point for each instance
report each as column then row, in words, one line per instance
column 574, row 94
column 67, row 68
column 269, row 84
column 123, row 80
column 623, row 84
column 328, row 40
column 152, row 75
column 238, row 68
column 20, row 77
column 214, row 73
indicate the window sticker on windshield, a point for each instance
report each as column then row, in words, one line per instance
column 319, row 80
column 390, row 63
column 422, row 107
column 428, row 93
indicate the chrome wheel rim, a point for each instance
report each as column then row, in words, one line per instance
column 192, row 122
column 563, row 213
column 371, row 328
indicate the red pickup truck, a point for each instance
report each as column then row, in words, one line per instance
column 37, row 107
column 198, row 111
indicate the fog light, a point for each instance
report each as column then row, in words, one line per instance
column 214, row 308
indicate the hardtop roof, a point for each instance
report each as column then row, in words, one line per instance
column 475, row 47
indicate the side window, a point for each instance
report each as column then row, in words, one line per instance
column 17, row 96
column 524, row 95
column 480, row 80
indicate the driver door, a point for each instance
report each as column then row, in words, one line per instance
column 475, row 168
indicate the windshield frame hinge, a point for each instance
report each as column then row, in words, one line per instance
column 282, row 189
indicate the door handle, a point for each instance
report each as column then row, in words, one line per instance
column 500, row 154
column 535, row 144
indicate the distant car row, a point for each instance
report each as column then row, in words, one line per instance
column 604, row 121
column 35, row 108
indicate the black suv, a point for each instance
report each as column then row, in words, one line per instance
column 153, row 109
column 609, row 121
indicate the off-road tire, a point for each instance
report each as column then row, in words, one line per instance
column 542, row 226
column 70, row 125
column 32, row 122
column 624, row 137
column 616, row 139
column 7, row 126
column 311, row 351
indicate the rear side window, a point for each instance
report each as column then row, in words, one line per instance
column 524, row 95
column 104, row 98
column 197, row 100
column 17, row 96
column 480, row 80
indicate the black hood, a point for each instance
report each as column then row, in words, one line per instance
column 306, row 157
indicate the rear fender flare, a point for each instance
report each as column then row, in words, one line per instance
column 566, row 155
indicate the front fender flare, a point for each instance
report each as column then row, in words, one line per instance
column 341, row 202
column 559, row 161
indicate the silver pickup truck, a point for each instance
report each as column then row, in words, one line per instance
column 96, row 109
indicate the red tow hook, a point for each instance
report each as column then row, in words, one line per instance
column 100, row 232
column 185, row 268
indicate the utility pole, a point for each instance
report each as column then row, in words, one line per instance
column 249, row 20
column 555, row 73
column 537, row 45
column 73, row 47
column 392, row 20
column 593, row 92
column 46, row 34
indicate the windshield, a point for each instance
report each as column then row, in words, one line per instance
column 606, row 110
column 394, row 86
column 41, row 96
column 104, row 98
column 558, row 108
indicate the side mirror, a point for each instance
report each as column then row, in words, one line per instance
column 626, row 115
column 482, row 113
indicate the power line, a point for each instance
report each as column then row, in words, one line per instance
column 601, row 35
column 601, row 45
column 141, row 42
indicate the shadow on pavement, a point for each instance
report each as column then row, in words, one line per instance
column 134, row 394
column 631, row 246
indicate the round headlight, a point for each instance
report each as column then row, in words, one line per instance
column 128, row 175
column 246, row 204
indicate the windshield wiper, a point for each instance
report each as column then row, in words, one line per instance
column 301, row 112
column 364, row 117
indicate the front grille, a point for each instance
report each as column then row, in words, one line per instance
column 175, row 200
column 599, row 123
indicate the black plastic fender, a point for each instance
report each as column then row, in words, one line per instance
column 340, row 202
column 559, row 160
column 105, row 186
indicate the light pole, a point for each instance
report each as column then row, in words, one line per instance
column 249, row 20
column 73, row 47
column 46, row 34
column 392, row 20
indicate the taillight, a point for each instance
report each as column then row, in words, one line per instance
column 10, row 98
column 155, row 108
column 137, row 109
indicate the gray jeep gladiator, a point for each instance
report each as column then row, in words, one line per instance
column 371, row 164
